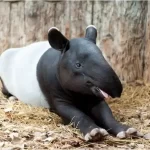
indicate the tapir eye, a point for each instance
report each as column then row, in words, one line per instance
column 78, row 65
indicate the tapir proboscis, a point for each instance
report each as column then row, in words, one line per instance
column 70, row 77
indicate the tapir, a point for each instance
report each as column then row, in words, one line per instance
column 70, row 77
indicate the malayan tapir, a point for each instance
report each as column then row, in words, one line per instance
column 70, row 77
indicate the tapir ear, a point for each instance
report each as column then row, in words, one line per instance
column 57, row 40
column 91, row 33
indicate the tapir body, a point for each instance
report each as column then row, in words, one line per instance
column 18, row 72
column 72, row 78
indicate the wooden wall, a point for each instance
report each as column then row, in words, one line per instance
column 123, row 28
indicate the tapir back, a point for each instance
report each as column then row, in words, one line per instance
column 18, row 72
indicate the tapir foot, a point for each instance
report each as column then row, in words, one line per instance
column 95, row 134
column 130, row 132
column 12, row 98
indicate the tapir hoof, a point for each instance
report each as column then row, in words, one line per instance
column 130, row 132
column 12, row 98
column 95, row 134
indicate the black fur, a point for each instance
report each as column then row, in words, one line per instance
column 4, row 90
column 84, row 111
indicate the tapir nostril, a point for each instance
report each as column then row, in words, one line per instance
column 88, row 83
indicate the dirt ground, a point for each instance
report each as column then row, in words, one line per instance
column 26, row 127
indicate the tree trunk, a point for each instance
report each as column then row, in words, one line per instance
column 4, row 26
column 17, row 24
column 121, row 29
column 146, row 65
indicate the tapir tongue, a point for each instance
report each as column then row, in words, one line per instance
column 98, row 92
column 104, row 94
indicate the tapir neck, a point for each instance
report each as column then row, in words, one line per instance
column 47, row 70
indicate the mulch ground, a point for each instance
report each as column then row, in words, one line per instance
column 32, row 128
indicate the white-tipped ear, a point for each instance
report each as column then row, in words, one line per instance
column 91, row 33
column 91, row 26
column 57, row 40
column 52, row 28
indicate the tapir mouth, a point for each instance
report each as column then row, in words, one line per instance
column 99, row 93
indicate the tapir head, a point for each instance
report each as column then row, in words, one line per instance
column 82, row 67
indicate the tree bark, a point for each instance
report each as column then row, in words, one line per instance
column 121, row 26
column 4, row 26
column 62, row 18
column 146, row 65
column 123, row 29
column 17, row 24
column 81, row 16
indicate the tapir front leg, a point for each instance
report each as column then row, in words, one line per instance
column 103, row 116
column 79, row 120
